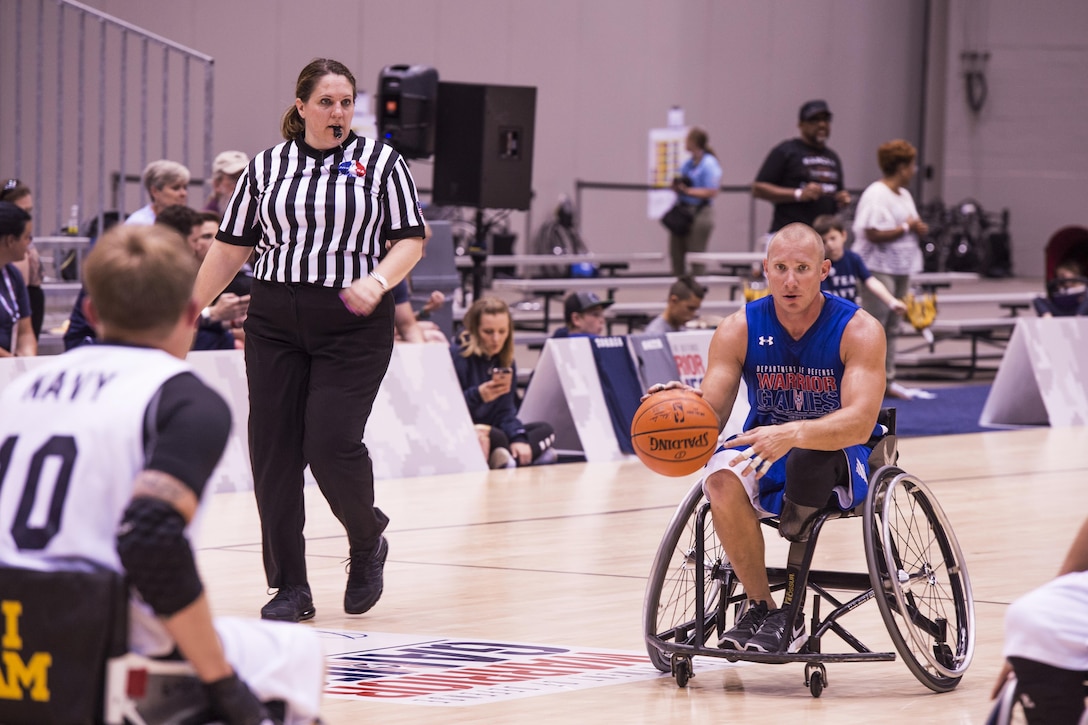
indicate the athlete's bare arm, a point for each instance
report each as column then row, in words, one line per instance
column 725, row 363
column 863, row 384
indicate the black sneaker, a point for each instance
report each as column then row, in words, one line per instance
column 745, row 627
column 292, row 603
column 365, row 580
column 771, row 636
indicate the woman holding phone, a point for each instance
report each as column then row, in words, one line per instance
column 483, row 357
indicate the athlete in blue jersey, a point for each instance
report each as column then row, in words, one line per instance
column 814, row 367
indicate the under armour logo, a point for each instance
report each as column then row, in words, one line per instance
column 769, row 340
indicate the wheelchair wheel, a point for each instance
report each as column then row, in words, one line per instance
column 920, row 579
column 670, row 611
column 1006, row 710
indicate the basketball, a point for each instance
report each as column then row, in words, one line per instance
column 674, row 432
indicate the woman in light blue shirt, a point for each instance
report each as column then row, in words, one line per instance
column 700, row 177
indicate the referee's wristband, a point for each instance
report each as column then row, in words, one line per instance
column 381, row 281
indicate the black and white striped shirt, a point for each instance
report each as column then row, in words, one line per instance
column 322, row 217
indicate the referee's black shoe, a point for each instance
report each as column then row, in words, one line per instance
column 366, row 579
column 292, row 603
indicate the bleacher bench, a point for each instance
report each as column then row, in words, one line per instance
column 993, row 331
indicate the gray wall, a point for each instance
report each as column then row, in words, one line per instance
column 608, row 70
column 1027, row 149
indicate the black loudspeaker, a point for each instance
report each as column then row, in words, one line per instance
column 406, row 108
column 483, row 152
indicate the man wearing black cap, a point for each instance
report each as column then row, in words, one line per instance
column 584, row 313
column 802, row 177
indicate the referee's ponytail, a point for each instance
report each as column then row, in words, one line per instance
column 292, row 126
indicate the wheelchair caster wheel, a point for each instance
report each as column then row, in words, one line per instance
column 815, row 678
column 681, row 670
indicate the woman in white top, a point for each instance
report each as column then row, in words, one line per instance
column 886, row 236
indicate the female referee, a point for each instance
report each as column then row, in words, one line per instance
column 335, row 222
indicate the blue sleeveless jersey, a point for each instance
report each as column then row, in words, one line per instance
column 780, row 387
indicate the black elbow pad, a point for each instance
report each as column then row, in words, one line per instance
column 157, row 556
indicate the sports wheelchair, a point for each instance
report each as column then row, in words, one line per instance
column 916, row 574
column 1008, row 709
column 66, row 659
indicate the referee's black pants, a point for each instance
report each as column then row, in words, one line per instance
column 314, row 370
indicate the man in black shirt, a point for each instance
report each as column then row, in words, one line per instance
column 802, row 177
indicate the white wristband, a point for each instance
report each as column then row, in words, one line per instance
column 797, row 194
column 381, row 281
column 906, row 228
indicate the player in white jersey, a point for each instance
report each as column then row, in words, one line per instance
column 124, row 431
column 1046, row 643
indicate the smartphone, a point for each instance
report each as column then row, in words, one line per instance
column 499, row 373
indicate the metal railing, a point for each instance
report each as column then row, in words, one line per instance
column 94, row 99
column 580, row 185
column 754, row 237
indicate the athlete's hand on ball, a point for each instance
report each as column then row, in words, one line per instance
column 674, row 432
column 671, row 385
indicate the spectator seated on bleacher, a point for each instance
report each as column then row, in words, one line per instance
column 16, row 328
column 218, row 323
column 685, row 298
column 584, row 314
column 167, row 183
column 1067, row 293
column 483, row 358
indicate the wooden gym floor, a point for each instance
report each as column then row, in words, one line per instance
column 559, row 555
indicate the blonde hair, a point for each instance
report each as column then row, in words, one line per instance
column 140, row 278
column 470, row 336
column 292, row 126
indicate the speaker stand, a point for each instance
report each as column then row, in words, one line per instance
column 478, row 251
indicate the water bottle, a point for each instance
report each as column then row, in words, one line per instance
column 72, row 229
column 755, row 284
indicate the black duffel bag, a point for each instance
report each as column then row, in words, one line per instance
column 679, row 218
